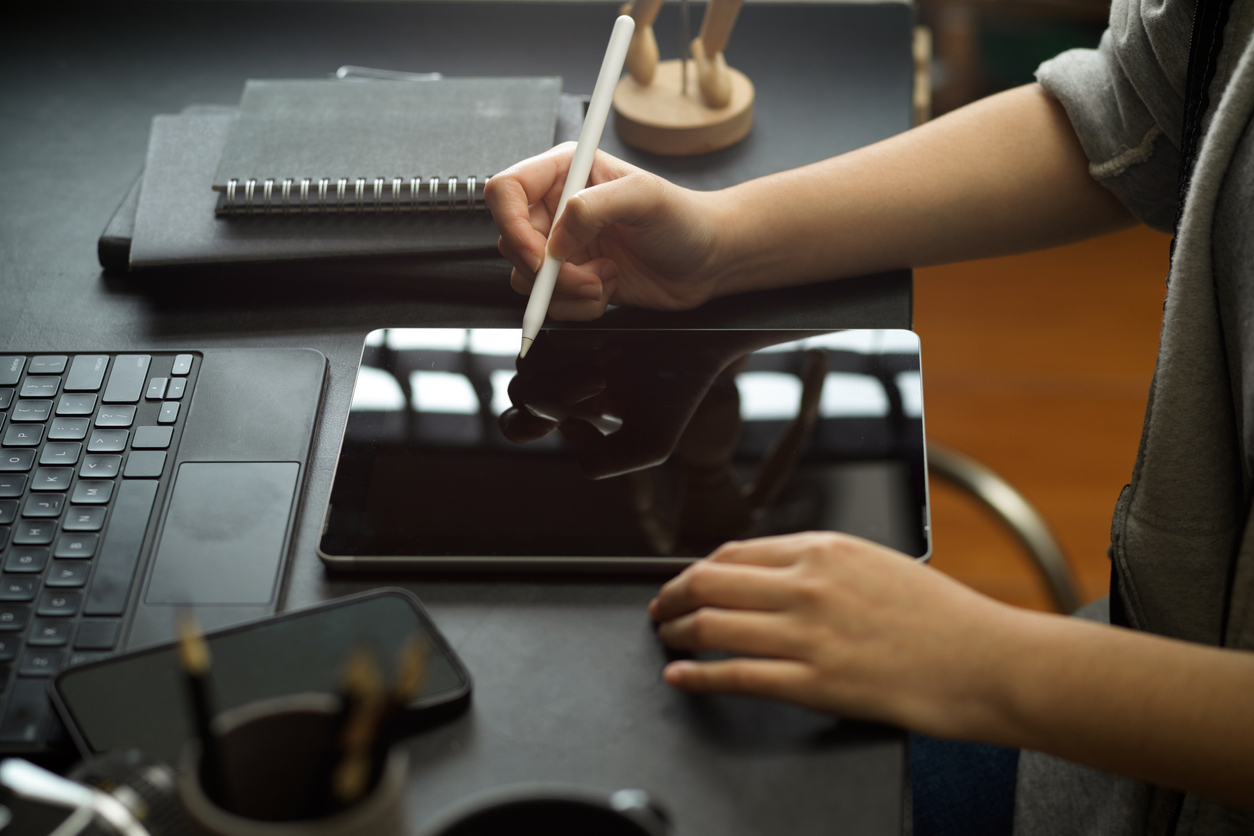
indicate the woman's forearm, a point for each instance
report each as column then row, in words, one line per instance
column 1005, row 174
column 1165, row 711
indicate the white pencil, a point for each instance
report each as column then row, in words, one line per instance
column 580, row 167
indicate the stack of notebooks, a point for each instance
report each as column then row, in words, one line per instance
column 309, row 172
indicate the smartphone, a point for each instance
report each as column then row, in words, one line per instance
column 139, row 700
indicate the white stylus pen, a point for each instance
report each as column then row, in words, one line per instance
column 580, row 167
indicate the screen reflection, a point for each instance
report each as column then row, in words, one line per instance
column 644, row 444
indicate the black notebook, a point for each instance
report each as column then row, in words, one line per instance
column 335, row 146
column 175, row 222
column 169, row 216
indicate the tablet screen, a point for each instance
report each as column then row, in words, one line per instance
column 625, row 448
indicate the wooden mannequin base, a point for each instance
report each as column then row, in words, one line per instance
column 659, row 118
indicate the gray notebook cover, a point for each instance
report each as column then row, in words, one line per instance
column 175, row 222
column 454, row 127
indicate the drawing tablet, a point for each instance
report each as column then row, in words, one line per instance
column 624, row 450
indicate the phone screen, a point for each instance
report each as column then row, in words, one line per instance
column 139, row 700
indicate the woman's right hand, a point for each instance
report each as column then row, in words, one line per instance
column 629, row 238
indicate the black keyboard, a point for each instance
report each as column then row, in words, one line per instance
column 86, row 441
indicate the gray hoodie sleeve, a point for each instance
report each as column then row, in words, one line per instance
column 1126, row 102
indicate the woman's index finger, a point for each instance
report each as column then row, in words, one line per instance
column 541, row 175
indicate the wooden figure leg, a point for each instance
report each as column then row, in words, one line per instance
column 642, row 53
column 665, row 108
column 713, row 77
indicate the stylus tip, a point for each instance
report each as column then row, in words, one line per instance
column 526, row 344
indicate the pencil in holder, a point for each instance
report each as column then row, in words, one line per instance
column 276, row 757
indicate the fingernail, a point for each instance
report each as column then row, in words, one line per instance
column 675, row 671
column 591, row 290
column 536, row 262
column 562, row 243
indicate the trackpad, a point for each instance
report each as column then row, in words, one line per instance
column 224, row 533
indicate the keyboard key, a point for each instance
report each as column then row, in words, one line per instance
column 156, row 388
column 102, row 467
column 47, row 364
column 60, row 452
column 59, row 603
column 97, row 634
column 68, row 429
column 12, row 484
column 76, row 404
column 40, row 662
column 40, row 387
column 8, row 511
column 13, row 617
column 83, row 657
column 67, row 574
column 27, row 559
column 6, row 398
column 56, row 735
column 16, row 460
column 119, row 552
column 18, row 588
column 175, row 390
column 85, row 518
column 4, row 536
column 108, row 441
column 182, row 364
column 23, row 435
column 52, row 479
column 34, row 532
column 8, row 647
column 86, row 373
column 49, row 632
column 126, row 384
column 76, row 545
column 115, row 416
column 169, row 412
column 11, row 369
column 92, row 492
column 44, row 505
column 28, row 410
column 27, row 714
column 144, row 464
column 152, row 438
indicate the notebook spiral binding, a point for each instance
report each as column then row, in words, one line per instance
column 413, row 194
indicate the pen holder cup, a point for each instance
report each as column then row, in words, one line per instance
column 275, row 755
column 553, row 810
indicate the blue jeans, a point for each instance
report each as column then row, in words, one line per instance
column 962, row 788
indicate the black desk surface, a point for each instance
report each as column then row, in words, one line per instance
column 567, row 672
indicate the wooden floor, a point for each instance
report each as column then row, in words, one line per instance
column 1039, row 366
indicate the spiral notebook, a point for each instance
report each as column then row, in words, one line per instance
column 168, row 217
column 301, row 146
column 175, row 224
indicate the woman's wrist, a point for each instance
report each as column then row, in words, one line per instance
column 1025, row 677
column 739, row 262
column 985, row 690
column 1010, row 681
column 778, row 232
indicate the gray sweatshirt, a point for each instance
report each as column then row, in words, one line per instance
column 1181, row 542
